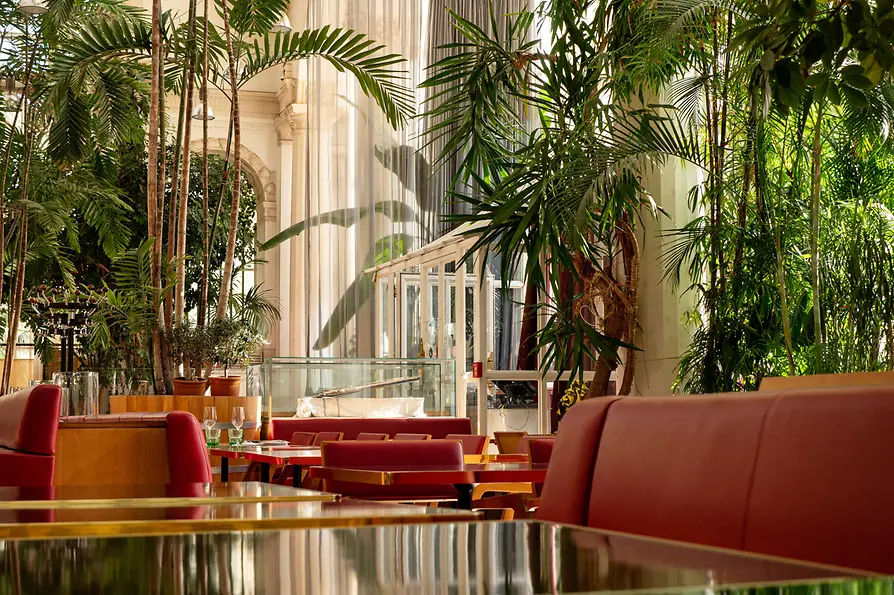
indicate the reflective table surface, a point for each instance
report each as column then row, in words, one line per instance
column 215, row 517
column 449, row 558
column 106, row 496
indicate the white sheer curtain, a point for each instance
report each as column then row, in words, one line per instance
column 365, row 170
column 359, row 166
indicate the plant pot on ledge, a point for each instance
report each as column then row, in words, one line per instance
column 192, row 388
column 224, row 386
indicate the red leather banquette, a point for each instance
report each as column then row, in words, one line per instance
column 806, row 474
column 29, row 420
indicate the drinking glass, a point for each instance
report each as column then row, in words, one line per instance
column 235, row 437
column 212, row 437
column 238, row 417
column 210, row 418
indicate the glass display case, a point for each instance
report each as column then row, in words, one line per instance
column 376, row 387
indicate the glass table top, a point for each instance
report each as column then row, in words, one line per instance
column 153, row 495
column 450, row 558
column 58, row 523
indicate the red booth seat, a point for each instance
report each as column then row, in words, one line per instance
column 29, row 420
column 187, row 457
column 446, row 454
column 804, row 474
column 438, row 427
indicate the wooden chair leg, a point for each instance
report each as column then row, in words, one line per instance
column 514, row 502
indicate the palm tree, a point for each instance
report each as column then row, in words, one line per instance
column 564, row 187
column 771, row 89
column 120, row 43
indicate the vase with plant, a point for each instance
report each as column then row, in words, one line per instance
column 233, row 343
column 191, row 348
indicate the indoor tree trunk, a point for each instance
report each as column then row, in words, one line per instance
column 227, row 276
column 183, row 203
column 203, row 294
column 614, row 325
column 631, row 256
column 171, row 253
column 20, row 107
column 816, row 172
column 152, row 189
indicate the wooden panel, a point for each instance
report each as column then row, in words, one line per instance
column 193, row 404
column 773, row 383
column 111, row 455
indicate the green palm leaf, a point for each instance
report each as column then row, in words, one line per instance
column 348, row 51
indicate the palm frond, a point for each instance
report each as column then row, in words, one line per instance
column 348, row 51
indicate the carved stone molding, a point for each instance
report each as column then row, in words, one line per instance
column 262, row 177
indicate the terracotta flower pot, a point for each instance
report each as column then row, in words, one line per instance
column 224, row 386
column 194, row 388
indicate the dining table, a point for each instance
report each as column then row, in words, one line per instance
column 463, row 478
column 296, row 457
column 187, row 516
column 459, row 558
column 299, row 457
column 153, row 495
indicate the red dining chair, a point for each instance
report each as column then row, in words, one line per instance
column 303, row 439
column 371, row 436
column 284, row 477
column 443, row 454
column 187, row 456
column 473, row 444
column 411, row 437
column 540, row 451
column 523, row 447
column 327, row 437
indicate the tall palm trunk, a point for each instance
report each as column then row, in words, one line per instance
column 16, row 296
column 18, row 289
column 227, row 276
column 172, row 210
column 816, row 172
column 152, row 190
column 20, row 107
column 180, row 303
column 203, row 298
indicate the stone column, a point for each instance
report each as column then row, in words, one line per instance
column 663, row 336
column 292, row 132
column 282, row 253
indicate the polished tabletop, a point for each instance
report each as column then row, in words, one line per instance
column 469, row 473
column 450, row 558
column 182, row 517
column 312, row 455
column 104, row 496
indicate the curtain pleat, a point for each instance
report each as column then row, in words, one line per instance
column 359, row 165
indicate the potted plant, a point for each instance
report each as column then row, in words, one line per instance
column 233, row 342
column 191, row 348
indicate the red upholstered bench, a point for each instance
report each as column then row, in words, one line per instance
column 28, row 422
column 805, row 474
column 438, row 427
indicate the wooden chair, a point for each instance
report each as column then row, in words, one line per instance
column 371, row 436
column 303, row 439
column 319, row 439
column 473, row 444
column 322, row 437
column 411, row 437
column 507, row 442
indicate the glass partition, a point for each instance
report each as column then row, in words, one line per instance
column 380, row 387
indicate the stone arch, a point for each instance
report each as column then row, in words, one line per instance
column 260, row 176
